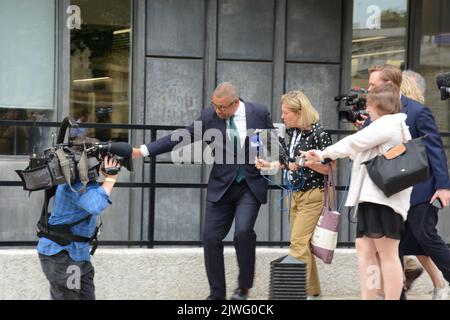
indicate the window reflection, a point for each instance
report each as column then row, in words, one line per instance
column 100, row 66
column 27, row 72
column 435, row 57
column 379, row 36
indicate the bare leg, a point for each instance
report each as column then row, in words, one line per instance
column 369, row 271
column 432, row 270
column 391, row 268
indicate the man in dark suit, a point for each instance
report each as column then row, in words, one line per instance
column 421, row 236
column 236, row 189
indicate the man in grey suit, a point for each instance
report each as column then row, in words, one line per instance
column 236, row 189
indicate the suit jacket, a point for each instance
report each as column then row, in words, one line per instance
column 421, row 122
column 223, row 173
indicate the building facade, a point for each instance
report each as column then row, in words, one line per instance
column 156, row 62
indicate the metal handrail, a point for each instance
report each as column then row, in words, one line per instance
column 152, row 185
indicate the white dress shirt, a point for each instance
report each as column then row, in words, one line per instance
column 241, row 123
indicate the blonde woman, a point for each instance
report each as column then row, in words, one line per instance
column 410, row 88
column 380, row 219
column 304, row 133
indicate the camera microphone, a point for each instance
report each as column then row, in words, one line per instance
column 122, row 149
column 443, row 80
column 443, row 83
column 346, row 96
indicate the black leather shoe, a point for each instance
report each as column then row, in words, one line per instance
column 240, row 294
column 215, row 298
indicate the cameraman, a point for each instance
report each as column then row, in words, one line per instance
column 68, row 268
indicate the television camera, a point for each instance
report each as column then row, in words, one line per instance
column 352, row 106
column 75, row 160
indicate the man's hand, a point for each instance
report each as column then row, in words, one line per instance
column 261, row 164
column 443, row 195
column 136, row 153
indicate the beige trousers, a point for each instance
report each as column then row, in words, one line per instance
column 306, row 207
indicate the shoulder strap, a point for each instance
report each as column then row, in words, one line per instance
column 329, row 187
column 43, row 220
column 83, row 170
column 65, row 167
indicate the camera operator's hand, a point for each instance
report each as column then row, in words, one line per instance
column 110, row 179
column 110, row 163
column 359, row 123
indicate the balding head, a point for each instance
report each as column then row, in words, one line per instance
column 228, row 90
column 225, row 100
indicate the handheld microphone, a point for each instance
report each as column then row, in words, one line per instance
column 122, row 149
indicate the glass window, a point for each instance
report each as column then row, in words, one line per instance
column 379, row 36
column 100, row 66
column 435, row 57
column 434, row 60
column 27, row 71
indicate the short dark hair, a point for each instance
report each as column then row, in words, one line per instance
column 388, row 72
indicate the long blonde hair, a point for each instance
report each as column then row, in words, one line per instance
column 411, row 89
column 296, row 101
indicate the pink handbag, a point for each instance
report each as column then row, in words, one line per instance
column 324, row 239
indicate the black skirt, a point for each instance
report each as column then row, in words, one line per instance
column 377, row 221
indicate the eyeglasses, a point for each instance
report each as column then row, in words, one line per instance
column 222, row 107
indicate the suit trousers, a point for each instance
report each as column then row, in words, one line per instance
column 238, row 204
column 421, row 237
column 306, row 208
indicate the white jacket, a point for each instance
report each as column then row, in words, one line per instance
column 381, row 135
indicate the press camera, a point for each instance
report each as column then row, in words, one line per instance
column 352, row 106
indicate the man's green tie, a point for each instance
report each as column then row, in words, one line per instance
column 237, row 145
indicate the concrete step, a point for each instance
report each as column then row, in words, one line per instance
column 176, row 273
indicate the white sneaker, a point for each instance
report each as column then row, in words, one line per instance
column 441, row 293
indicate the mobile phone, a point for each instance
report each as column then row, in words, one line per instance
column 438, row 203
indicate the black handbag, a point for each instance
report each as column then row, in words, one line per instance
column 400, row 167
